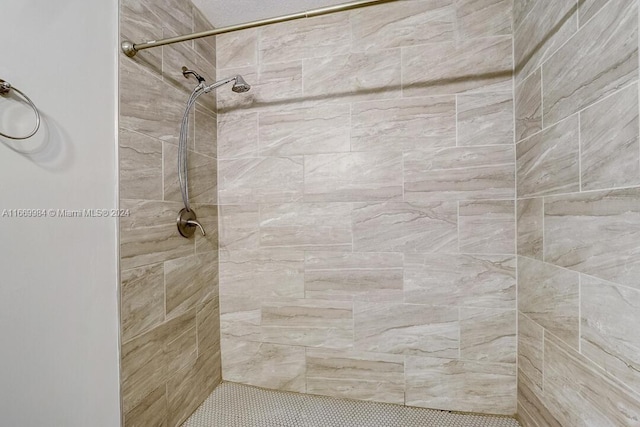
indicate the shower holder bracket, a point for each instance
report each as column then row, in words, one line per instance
column 188, row 222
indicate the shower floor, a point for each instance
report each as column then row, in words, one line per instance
column 235, row 405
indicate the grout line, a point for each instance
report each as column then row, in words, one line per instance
column 580, row 313
column 579, row 152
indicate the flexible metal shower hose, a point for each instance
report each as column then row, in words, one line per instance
column 183, row 173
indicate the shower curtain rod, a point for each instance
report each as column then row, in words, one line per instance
column 131, row 49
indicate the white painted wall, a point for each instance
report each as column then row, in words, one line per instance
column 58, row 278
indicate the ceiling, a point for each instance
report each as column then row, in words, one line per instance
column 230, row 12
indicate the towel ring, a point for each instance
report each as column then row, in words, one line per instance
column 5, row 88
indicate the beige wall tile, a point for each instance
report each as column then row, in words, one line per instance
column 587, row 9
column 609, row 147
column 474, row 65
column 405, row 227
column 488, row 334
column 208, row 325
column 534, row 407
column 280, row 367
column 483, row 18
column 137, row 22
column 547, row 163
column 279, row 272
column 461, row 385
column 186, row 280
column 595, row 233
column 205, row 135
column 487, row 227
column 140, row 166
column 260, row 179
column 609, row 315
column 485, row 119
column 407, row 329
column 205, row 47
column 307, row 322
column 354, row 276
column 237, row 134
column 153, row 410
column 370, row 176
column 311, row 226
column 237, row 49
column 408, row 124
column 461, row 173
column 202, row 175
column 521, row 9
column 141, row 300
column 485, row 281
column 530, row 227
column 323, row 129
column 308, row 38
column 548, row 295
column 528, row 112
column 415, row 23
column 356, row 375
column 208, row 217
column 530, row 351
column 601, row 58
column 239, row 227
column 240, row 316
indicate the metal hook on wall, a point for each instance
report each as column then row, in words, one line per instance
column 5, row 89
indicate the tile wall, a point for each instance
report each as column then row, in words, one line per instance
column 367, row 206
column 169, row 285
column 578, row 210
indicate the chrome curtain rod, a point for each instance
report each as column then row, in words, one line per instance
column 130, row 49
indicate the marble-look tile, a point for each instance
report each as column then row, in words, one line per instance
column 356, row 375
column 521, row 9
column 354, row 276
column 137, row 22
column 609, row 147
column 237, row 49
column 208, row 325
column 280, row 367
column 587, row 9
column 323, row 129
column 208, row 217
column 595, row 233
column 140, row 166
column 456, row 385
column 205, row 47
column 189, row 388
column 265, row 272
column 307, row 322
column 485, row 281
column 186, row 279
column 548, row 295
column 414, row 23
column 178, row 55
column 141, row 300
column 205, row 135
column 310, row 226
column 407, row 329
column 240, row 316
column 473, row 65
column 149, row 234
column 530, row 227
column 237, row 134
column 171, row 14
column 487, row 227
column 609, row 315
column 599, row 60
column 460, row 173
column 484, row 18
column 485, row 119
column 152, row 410
column 355, row 76
column 577, row 395
column 260, row 180
column 209, row 101
column 488, row 334
column 239, row 227
column 530, row 350
column 533, row 405
column 146, row 360
column 183, row 350
column 405, row 227
column 138, row 90
column 545, row 28
column 202, row 175
column 408, row 124
column 547, row 163
column 308, row 38
column 528, row 98
column 353, row 177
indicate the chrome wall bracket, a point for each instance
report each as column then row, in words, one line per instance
column 188, row 222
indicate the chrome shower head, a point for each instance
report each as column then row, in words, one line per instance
column 240, row 85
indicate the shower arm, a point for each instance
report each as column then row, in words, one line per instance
column 131, row 49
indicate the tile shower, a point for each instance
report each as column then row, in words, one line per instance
column 393, row 214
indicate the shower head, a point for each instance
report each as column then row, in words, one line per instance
column 240, row 85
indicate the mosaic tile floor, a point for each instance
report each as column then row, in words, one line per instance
column 235, row 405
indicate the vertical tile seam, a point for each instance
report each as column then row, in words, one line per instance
column 580, row 152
